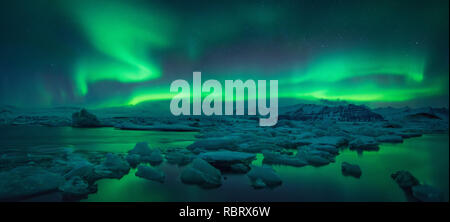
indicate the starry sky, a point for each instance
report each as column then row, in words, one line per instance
column 107, row 53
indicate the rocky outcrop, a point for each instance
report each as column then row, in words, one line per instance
column 84, row 119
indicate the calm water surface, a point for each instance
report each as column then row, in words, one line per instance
column 426, row 157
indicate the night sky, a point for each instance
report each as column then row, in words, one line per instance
column 113, row 53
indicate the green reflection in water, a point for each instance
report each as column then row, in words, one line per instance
column 425, row 157
column 105, row 139
column 115, row 190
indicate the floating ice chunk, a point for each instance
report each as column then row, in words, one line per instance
column 150, row 173
column 27, row 181
column 113, row 166
column 201, row 173
column 263, row 176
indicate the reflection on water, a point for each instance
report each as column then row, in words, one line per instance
column 104, row 139
column 425, row 157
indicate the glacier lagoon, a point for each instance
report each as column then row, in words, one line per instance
column 426, row 157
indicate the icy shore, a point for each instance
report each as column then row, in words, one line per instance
column 305, row 135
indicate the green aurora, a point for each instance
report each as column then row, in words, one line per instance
column 128, row 52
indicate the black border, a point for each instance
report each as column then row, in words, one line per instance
column 160, row 211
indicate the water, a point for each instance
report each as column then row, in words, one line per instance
column 93, row 139
column 425, row 157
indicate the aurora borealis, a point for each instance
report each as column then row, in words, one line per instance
column 113, row 53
